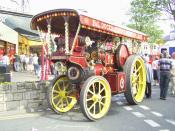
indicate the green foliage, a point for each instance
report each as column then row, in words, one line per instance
column 167, row 6
column 144, row 16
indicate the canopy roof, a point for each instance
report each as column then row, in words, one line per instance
column 21, row 24
column 87, row 23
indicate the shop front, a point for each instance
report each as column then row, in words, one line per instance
column 23, row 47
column 8, row 40
column 35, row 46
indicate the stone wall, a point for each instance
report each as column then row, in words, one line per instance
column 23, row 97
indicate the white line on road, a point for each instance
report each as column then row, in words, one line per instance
column 127, row 108
column 170, row 121
column 164, row 130
column 156, row 113
column 144, row 107
column 152, row 123
column 138, row 114
column 19, row 116
column 69, row 126
column 119, row 103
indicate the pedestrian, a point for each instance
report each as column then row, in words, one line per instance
column 5, row 60
column 172, row 79
column 26, row 62
column 30, row 65
column 22, row 62
column 149, row 79
column 155, row 71
column 35, row 64
column 165, row 65
column 16, row 62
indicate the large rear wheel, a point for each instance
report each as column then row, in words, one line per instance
column 61, row 96
column 135, row 79
column 95, row 97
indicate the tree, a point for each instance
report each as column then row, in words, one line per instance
column 167, row 6
column 144, row 16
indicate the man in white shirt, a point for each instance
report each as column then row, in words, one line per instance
column 5, row 60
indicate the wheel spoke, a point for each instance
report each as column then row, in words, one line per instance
column 102, row 103
column 134, row 70
column 55, row 91
column 138, row 68
column 58, row 86
column 67, row 101
column 133, row 78
column 89, row 99
column 59, row 102
column 65, row 85
column 93, row 87
column 103, row 97
column 134, row 90
column 137, row 76
column 91, row 92
column 102, row 90
column 94, row 108
column 69, row 92
column 99, row 88
column 99, row 104
column 93, row 104
column 62, row 103
column 55, row 97
column 71, row 97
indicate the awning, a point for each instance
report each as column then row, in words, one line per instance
column 7, row 34
column 35, row 43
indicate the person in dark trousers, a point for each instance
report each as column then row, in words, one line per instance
column 165, row 65
column 17, row 62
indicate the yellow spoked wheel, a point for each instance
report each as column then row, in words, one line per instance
column 135, row 79
column 95, row 97
column 61, row 96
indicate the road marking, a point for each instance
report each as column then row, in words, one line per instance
column 138, row 114
column 127, row 108
column 69, row 126
column 119, row 103
column 19, row 116
column 152, row 123
column 156, row 113
column 164, row 130
column 34, row 129
column 170, row 121
column 144, row 107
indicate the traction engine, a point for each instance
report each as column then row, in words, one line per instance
column 90, row 65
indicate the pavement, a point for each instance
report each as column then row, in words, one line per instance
column 26, row 76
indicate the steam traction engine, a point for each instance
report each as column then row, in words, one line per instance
column 91, row 65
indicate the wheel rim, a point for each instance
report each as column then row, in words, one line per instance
column 63, row 98
column 98, row 98
column 138, row 80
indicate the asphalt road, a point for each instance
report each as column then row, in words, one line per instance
column 151, row 115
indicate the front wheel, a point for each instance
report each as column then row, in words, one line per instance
column 95, row 97
column 61, row 96
column 135, row 79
